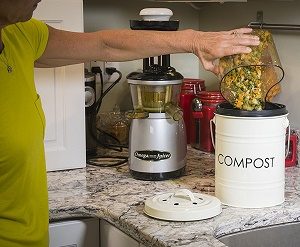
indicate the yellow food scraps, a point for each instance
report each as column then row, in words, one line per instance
column 250, row 76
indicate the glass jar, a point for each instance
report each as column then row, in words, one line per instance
column 247, row 79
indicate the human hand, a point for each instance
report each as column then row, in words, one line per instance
column 210, row 46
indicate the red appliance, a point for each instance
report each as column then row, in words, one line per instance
column 189, row 90
column 204, row 106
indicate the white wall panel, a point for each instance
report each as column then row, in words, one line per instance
column 62, row 92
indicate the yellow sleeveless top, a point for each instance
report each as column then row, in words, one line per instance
column 23, row 186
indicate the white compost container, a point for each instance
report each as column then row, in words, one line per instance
column 250, row 155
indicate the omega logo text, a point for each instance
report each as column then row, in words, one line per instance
column 152, row 155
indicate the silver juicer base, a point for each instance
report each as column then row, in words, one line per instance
column 157, row 148
column 157, row 176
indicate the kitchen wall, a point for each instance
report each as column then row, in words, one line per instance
column 106, row 14
column 115, row 14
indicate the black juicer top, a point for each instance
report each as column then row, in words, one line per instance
column 154, row 25
column 156, row 73
column 162, row 71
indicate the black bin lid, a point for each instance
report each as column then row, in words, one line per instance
column 270, row 110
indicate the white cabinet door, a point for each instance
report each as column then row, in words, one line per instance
column 62, row 92
column 111, row 236
column 74, row 233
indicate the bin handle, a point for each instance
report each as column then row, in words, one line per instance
column 211, row 131
column 288, row 144
column 291, row 161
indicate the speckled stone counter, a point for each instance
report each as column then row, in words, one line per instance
column 112, row 194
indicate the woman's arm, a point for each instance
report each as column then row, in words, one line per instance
column 66, row 48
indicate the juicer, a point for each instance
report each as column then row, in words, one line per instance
column 157, row 136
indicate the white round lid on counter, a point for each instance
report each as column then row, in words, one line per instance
column 182, row 205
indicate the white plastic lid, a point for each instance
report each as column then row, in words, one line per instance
column 156, row 14
column 183, row 205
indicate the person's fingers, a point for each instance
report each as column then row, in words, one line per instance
column 236, row 50
column 241, row 30
column 210, row 65
column 245, row 40
column 240, row 34
column 214, row 45
column 241, row 37
column 215, row 70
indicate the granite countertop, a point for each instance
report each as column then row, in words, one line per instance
column 112, row 194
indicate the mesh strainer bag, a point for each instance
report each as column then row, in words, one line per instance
column 249, row 80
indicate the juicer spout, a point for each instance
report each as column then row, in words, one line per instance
column 137, row 114
column 174, row 111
